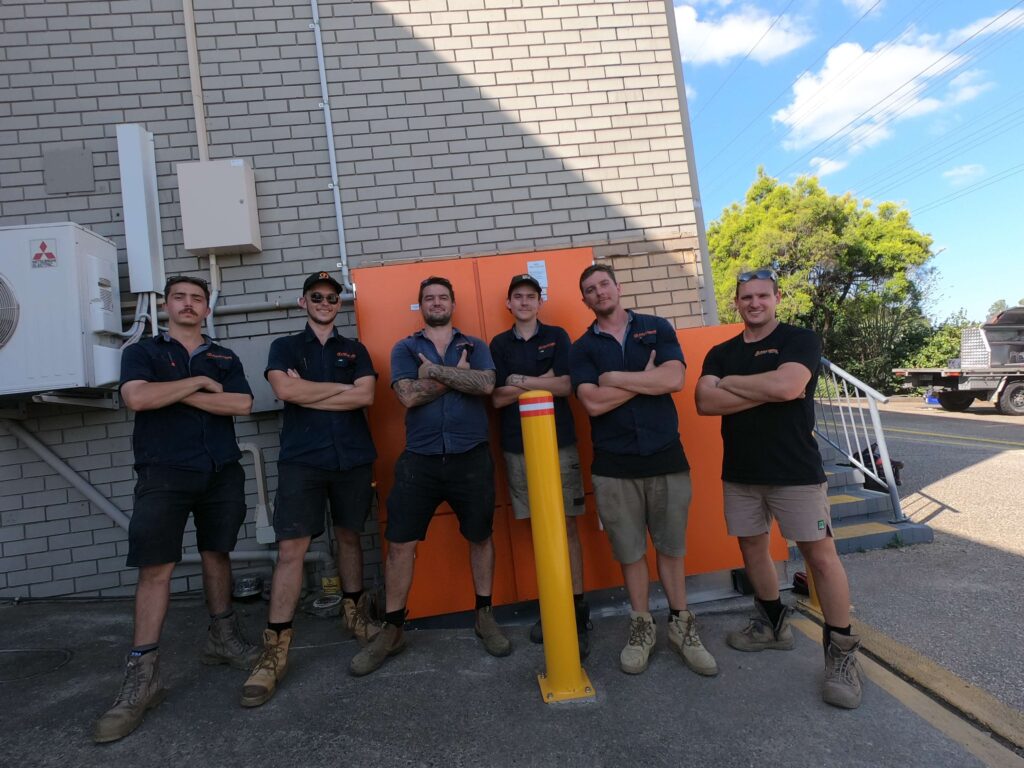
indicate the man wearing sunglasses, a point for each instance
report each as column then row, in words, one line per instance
column 326, row 382
column 443, row 377
column 184, row 389
column 761, row 383
column 624, row 368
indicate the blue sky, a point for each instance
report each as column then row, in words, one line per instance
column 916, row 101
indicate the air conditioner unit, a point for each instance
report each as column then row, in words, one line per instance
column 60, row 309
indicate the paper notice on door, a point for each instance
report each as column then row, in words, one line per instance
column 539, row 271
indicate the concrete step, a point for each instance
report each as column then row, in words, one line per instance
column 864, row 536
column 848, row 504
column 839, row 477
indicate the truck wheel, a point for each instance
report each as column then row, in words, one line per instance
column 1011, row 401
column 955, row 401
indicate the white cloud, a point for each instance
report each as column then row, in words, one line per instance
column 1011, row 20
column 691, row 93
column 964, row 174
column 860, row 7
column 722, row 36
column 822, row 166
column 968, row 85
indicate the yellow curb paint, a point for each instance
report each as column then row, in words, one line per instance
column 860, row 529
column 940, row 682
column 843, row 498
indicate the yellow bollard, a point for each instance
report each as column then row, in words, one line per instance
column 565, row 678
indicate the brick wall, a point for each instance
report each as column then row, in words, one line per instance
column 464, row 127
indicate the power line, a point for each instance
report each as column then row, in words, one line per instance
column 939, row 202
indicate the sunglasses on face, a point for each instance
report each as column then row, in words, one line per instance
column 757, row 274
column 331, row 298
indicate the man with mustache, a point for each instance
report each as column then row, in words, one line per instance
column 184, row 389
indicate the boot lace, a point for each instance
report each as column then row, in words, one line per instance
column 268, row 662
column 132, row 685
column 690, row 636
column 843, row 665
column 640, row 632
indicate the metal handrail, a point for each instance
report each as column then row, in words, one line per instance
column 845, row 395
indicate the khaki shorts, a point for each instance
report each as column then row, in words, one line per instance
column 630, row 507
column 802, row 510
column 572, row 482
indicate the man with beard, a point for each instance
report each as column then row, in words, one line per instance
column 326, row 381
column 443, row 377
column 625, row 368
column 184, row 389
column 761, row 383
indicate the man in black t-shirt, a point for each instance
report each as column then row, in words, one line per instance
column 624, row 369
column 762, row 385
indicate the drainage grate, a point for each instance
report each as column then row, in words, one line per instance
column 23, row 663
column 8, row 311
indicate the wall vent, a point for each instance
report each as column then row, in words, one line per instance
column 8, row 311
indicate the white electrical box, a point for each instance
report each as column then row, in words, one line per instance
column 218, row 207
column 60, row 309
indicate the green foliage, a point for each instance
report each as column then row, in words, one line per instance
column 852, row 271
column 999, row 305
column 942, row 344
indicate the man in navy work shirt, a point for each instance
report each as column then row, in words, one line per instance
column 326, row 381
column 532, row 355
column 761, row 383
column 442, row 376
column 624, row 368
column 184, row 390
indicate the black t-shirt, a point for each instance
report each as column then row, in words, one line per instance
column 773, row 443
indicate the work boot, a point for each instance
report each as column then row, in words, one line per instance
column 388, row 642
column 842, row 672
column 487, row 629
column 683, row 637
column 225, row 644
column 348, row 614
column 633, row 659
column 140, row 691
column 364, row 627
column 537, row 633
column 270, row 668
column 583, row 627
column 760, row 635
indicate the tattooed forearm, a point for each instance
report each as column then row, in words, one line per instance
column 413, row 392
column 465, row 380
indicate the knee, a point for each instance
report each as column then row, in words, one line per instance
column 347, row 537
column 821, row 557
column 401, row 551
column 290, row 551
column 754, row 546
column 156, row 575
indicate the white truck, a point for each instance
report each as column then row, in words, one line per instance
column 990, row 367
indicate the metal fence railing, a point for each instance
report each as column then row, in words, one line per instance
column 841, row 401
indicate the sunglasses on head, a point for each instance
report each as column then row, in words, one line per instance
column 331, row 298
column 757, row 274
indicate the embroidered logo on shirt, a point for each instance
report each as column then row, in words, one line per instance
column 640, row 334
column 215, row 356
column 821, row 525
column 347, row 355
column 771, row 351
column 542, row 347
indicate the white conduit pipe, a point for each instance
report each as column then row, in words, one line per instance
column 194, row 79
column 105, row 506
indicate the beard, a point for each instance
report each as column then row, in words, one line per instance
column 437, row 321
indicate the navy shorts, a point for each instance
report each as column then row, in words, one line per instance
column 303, row 492
column 422, row 483
column 164, row 497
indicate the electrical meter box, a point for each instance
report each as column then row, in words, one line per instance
column 218, row 207
column 60, row 309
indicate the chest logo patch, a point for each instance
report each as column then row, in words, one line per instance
column 770, row 351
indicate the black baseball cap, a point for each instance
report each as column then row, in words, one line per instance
column 524, row 278
column 321, row 277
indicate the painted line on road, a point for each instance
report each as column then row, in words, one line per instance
column 975, row 706
column 955, row 437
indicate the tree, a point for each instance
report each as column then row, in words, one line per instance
column 943, row 343
column 848, row 269
column 999, row 305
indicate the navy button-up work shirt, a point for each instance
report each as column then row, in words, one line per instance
column 179, row 435
column 646, row 424
column 455, row 422
column 547, row 350
column 324, row 439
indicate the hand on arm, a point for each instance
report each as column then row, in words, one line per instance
column 221, row 403
column 598, row 400
column 517, row 383
column 652, row 380
column 786, row 383
column 290, row 387
column 142, row 395
column 715, row 401
column 459, row 377
column 351, row 398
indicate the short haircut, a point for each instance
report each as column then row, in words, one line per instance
column 434, row 280
column 764, row 273
column 594, row 269
column 196, row 281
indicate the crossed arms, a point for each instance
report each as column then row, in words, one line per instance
column 433, row 380
column 517, row 383
column 732, row 394
column 322, row 395
column 200, row 392
column 614, row 388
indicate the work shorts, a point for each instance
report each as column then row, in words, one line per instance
column 303, row 492
column 803, row 511
column 572, row 482
column 423, row 483
column 164, row 497
column 630, row 507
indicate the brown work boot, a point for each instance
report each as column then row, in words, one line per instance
column 760, row 635
column 365, row 625
column 642, row 635
column 490, row 634
column 388, row 642
column 140, row 691
column 225, row 644
column 684, row 640
column 348, row 614
column 842, row 686
column 270, row 668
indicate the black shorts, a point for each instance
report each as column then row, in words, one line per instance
column 165, row 496
column 422, row 483
column 302, row 493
